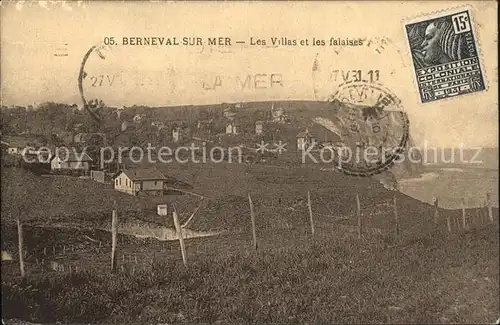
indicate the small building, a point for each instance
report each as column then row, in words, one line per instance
column 80, row 138
column 13, row 150
column 232, row 128
column 95, row 138
column 17, row 145
column 140, row 180
column 66, row 137
column 5, row 146
column 229, row 113
column 304, row 140
column 259, row 126
column 71, row 160
column 176, row 134
column 98, row 176
column 137, row 118
column 119, row 112
column 205, row 125
column 158, row 124
column 278, row 114
column 77, row 127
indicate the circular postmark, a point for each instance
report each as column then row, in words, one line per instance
column 91, row 106
column 373, row 127
column 119, row 76
column 373, row 60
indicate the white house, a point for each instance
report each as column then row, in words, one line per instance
column 259, row 127
column 158, row 124
column 231, row 128
column 137, row 118
column 134, row 181
column 70, row 160
column 176, row 134
column 278, row 114
column 304, row 140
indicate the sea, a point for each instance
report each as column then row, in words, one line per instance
column 452, row 184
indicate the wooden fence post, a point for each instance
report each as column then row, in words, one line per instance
column 180, row 236
column 478, row 216
column 464, row 222
column 358, row 214
column 20, row 240
column 252, row 216
column 192, row 215
column 436, row 211
column 114, row 226
column 310, row 212
column 490, row 207
column 484, row 211
column 396, row 217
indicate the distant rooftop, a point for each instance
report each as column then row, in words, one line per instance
column 143, row 174
column 71, row 155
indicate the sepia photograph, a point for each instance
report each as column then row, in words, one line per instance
column 249, row 162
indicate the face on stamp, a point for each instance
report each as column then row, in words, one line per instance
column 373, row 125
column 445, row 58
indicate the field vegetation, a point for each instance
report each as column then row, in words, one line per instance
column 292, row 278
column 426, row 276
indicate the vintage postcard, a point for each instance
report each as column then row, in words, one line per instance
column 298, row 162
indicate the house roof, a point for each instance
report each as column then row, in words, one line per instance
column 80, row 137
column 138, row 174
column 303, row 134
column 84, row 137
column 21, row 141
column 72, row 156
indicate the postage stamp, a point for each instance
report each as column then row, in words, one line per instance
column 445, row 58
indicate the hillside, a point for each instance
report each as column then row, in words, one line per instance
column 279, row 194
column 283, row 121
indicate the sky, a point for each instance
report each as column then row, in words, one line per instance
column 43, row 44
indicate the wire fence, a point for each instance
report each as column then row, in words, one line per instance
column 389, row 219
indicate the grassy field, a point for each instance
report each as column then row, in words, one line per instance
column 428, row 276
column 292, row 278
column 279, row 194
